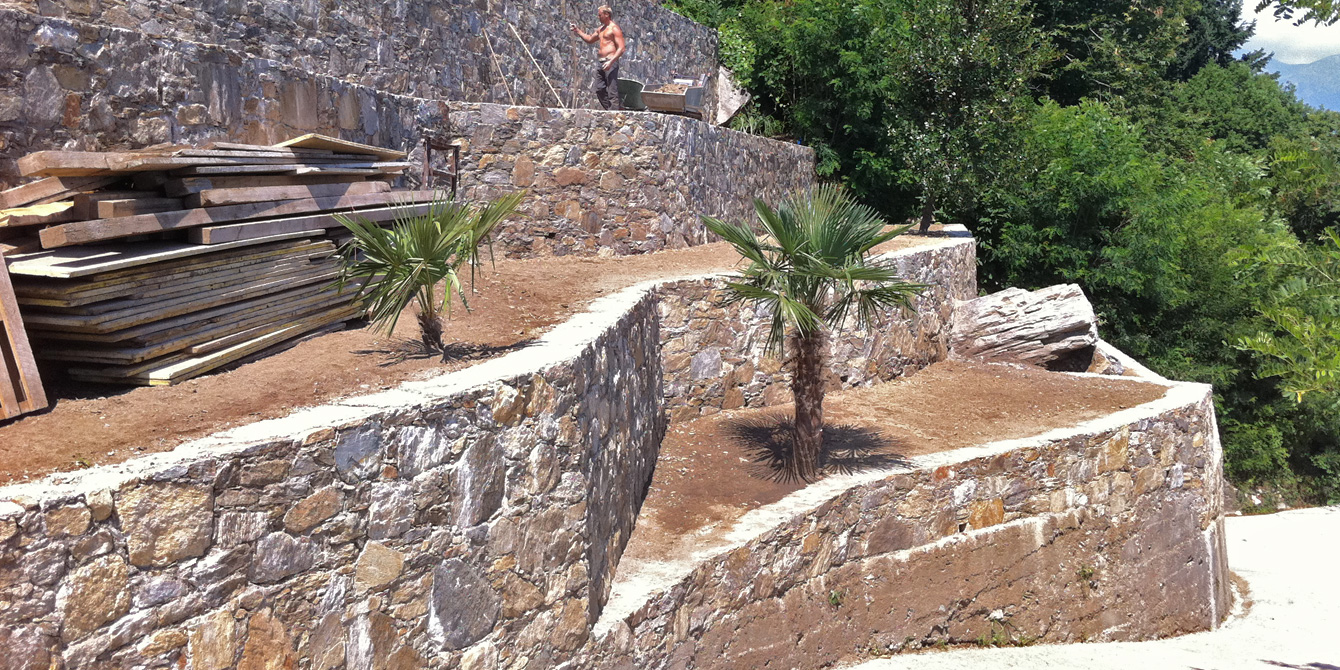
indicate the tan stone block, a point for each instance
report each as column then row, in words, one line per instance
column 570, row 176
column 734, row 399
column 1115, row 453
column 8, row 528
column 166, row 522
column 377, row 566
column 523, row 172
column 313, row 509
column 507, row 406
column 326, row 644
column 92, row 595
column 519, row 596
column 483, row 656
column 984, row 513
column 100, row 504
column 69, row 520
column 811, row 543
column 268, row 645
column 213, row 642
column 570, row 629
column 162, row 642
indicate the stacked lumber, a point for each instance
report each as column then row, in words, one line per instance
column 153, row 266
column 223, row 192
column 144, row 313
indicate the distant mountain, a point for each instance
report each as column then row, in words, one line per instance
column 1317, row 83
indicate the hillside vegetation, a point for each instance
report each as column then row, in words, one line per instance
column 1115, row 144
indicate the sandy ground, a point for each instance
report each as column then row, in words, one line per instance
column 1289, row 563
column 515, row 302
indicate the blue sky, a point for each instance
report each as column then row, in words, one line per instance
column 1291, row 44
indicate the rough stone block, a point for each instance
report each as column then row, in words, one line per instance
column 166, row 522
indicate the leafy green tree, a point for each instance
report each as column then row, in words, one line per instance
column 1117, row 51
column 405, row 263
column 811, row 268
column 1232, row 105
column 1213, row 33
column 1302, row 344
column 1317, row 12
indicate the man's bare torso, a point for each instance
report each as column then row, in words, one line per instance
column 608, row 34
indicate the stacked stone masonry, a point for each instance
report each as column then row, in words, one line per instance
column 475, row 520
column 1108, row 532
column 715, row 353
column 622, row 182
column 110, row 74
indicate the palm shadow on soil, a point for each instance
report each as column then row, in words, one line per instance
column 767, row 443
column 399, row 351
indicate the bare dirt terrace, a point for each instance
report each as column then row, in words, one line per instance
column 713, row 470
column 516, row 301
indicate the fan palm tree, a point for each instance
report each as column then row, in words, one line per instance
column 811, row 267
column 405, row 262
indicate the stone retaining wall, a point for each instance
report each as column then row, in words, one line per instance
column 114, row 74
column 484, row 509
column 714, row 354
column 475, row 520
column 623, row 182
column 1111, row 531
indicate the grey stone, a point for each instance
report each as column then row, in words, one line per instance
column 278, row 556
column 159, row 590
column 478, row 482
column 236, row 528
column 463, row 607
column 358, row 451
column 392, row 510
column 706, row 364
column 1031, row 327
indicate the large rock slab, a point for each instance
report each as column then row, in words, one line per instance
column 1030, row 327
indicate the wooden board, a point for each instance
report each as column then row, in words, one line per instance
column 21, row 389
column 86, row 204
column 317, row 141
column 111, row 209
column 94, row 259
column 84, row 232
column 38, row 215
column 91, row 163
column 199, row 341
column 181, row 370
column 66, row 293
column 242, row 231
column 178, row 188
column 238, row 196
column 50, row 189
column 169, row 269
column 143, row 313
column 296, row 168
column 255, row 312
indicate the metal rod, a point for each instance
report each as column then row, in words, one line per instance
column 537, row 65
column 494, row 55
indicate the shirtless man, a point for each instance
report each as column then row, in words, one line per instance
column 611, row 47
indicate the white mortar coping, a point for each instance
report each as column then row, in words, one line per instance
column 566, row 342
column 630, row 594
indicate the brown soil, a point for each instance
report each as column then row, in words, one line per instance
column 714, row 469
column 516, row 301
column 669, row 88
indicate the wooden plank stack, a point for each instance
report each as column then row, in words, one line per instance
column 150, row 267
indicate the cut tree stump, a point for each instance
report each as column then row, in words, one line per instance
column 1043, row 327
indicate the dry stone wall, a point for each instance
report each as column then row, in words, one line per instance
column 91, row 75
column 715, row 356
column 1109, row 532
column 438, row 49
column 483, row 510
column 475, row 520
column 627, row 182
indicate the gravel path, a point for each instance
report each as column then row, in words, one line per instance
column 1289, row 559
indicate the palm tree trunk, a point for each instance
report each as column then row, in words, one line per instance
column 927, row 213
column 807, row 387
column 430, row 322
